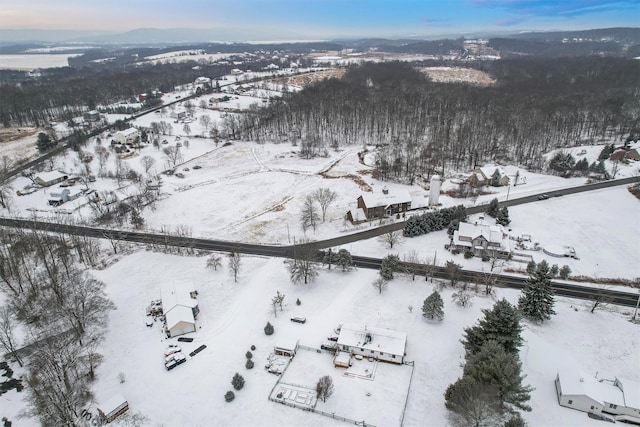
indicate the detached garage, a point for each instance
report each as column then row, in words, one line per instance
column 180, row 311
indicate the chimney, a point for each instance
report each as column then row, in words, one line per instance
column 385, row 190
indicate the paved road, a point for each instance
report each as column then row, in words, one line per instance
column 377, row 231
column 575, row 291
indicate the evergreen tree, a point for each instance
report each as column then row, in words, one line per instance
column 494, row 366
column 44, row 142
column 564, row 272
column 503, row 216
column 501, row 323
column 495, row 178
column 344, row 260
column 388, row 266
column 268, row 329
column 433, row 306
column 237, row 381
column 249, row 364
column 493, row 208
column 229, row 396
column 531, row 267
column 536, row 301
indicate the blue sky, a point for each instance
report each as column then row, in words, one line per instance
column 322, row 18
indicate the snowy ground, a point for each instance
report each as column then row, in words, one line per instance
column 233, row 315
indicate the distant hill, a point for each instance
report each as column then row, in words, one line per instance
column 627, row 35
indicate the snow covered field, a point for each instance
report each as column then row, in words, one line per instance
column 233, row 316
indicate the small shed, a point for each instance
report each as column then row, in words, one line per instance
column 342, row 359
column 286, row 347
column 113, row 408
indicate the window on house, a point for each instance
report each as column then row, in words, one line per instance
column 592, row 407
column 371, row 351
column 612, row 406
column 345, row 347
column 393, row 356
column 381, row 354
column 570, row 402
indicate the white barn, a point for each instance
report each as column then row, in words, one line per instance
column 379, row 343
column 180, row 311
column 619, row 398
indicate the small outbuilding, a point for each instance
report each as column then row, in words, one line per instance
column 47, row 179
column 113, row 408
column 286, row 347
column 180, row 310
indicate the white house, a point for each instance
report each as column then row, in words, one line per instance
column 180, row 311
column 66, row 195
column 127, row 136
column 47, row 179
column 481, row 239
column 619, row 398
column 379, row 343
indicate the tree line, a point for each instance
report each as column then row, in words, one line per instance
column 422, row 127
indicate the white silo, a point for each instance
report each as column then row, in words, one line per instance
column 434, row 190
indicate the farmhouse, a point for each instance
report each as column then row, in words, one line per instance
column 180, row 311
column 379, row 343
column 619, row 398
column 484, row 176
column 47, row 179
column 91, row 116
column 622, row 154
column 481, row 239
column 385, row 202
column 113, row 408
column 127, row 136
column 66, row 195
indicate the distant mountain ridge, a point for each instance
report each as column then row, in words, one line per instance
column 157, row 36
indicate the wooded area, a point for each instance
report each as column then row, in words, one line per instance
column 422, row 127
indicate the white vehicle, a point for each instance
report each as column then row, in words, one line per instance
column 172, row 348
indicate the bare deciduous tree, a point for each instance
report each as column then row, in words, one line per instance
column 214, row 262
column 8, row 339
column 412, row 263
column 303, row 267
column 147, row 163
column 324, row 197
column 324, row 388
column 391, row 238
column 380, row 284
column 234, row 264
column 309, row 215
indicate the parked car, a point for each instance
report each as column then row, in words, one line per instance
column 333, row 338
column 172, row 348
column 179, row 358
column 299, row 319
column 543, row 197
column 329, row 345
column 170, row 365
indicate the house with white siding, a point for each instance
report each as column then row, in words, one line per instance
column 619, row 399
column 378, row 343
column 180, row 310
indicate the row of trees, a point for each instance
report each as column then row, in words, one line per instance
column 62, row 312
column 423, row 127
column 434, row 220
